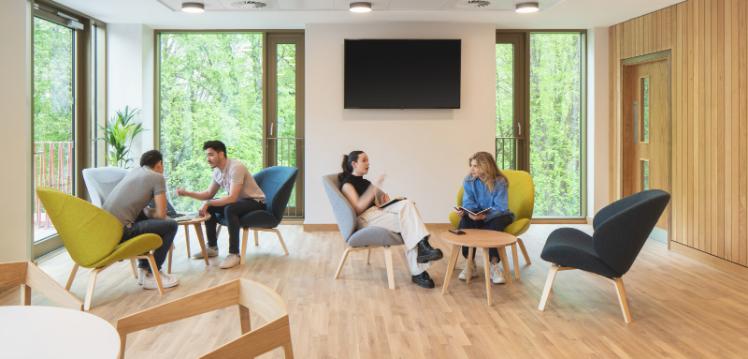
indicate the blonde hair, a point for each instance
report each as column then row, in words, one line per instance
column 487, row 165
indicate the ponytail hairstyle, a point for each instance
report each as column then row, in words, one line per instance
column 490, row 170
column 346, row 165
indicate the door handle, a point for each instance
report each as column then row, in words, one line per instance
column 519, row 129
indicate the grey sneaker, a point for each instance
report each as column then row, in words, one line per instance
column 167, row 281
column 210, row 251
column 231, row 260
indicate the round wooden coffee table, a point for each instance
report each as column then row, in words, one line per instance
column 484, row 239
column 197, row 223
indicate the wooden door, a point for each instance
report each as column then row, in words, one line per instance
column 646, row 129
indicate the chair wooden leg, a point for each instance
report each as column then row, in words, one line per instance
column 156, row 273
column 282, row 242
column 524, row 251
column 25, row 294
column 134, row 268
column 257, row 238
column 244, row 318
column 122, row 345
column 168, row 267
column 288, row 350
column 342, row 262
column 187, row 239
column 71, row 278
column 245, row 237
column 90, row 291
column 548, row 287
column 368, row 256
column 622, row 300
column 388, row 265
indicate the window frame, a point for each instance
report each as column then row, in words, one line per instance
column 522, row 108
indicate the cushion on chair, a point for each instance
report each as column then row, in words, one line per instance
column 257, row 219
column 518, row 227
column 569, row 247
column 374, row 237
column 100, row 182
column 89, row 233
column 130, row 248
column 344, row 213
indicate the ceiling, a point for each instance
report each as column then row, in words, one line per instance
column 223, row 14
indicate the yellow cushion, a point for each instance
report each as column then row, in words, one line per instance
column 90, row 234
column 132, row 247
column 521, row 196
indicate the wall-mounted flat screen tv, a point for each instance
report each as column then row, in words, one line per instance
column 402, row 74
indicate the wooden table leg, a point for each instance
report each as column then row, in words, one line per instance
column 487, row 273
column 187, row 239
column 201, row 242
column 469, row 265
column 507, row 273
column 451, row 267
column 515, row 261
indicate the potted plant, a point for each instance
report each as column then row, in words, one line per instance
column 119, row 134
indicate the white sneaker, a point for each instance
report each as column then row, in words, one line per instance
column 210, row 251
column 231, row 260
column 141, row 275
column 473, row 273
column 167, row 281
column 496, row 276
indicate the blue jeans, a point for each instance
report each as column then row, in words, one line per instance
column 164, row 228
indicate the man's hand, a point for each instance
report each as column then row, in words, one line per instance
column 181, row 192
column 203, row 209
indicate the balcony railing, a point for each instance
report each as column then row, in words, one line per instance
column 53, row 168
column 506, row 152
column 288, row 151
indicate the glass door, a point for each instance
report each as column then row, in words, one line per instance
column 511, row 126
column 285, row 116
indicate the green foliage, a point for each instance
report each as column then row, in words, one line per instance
column 119, row 134
column 556, row 123
column 555, row 119
column 211, row 88
column 53, row 82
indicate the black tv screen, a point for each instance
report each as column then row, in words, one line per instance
column 398, row 74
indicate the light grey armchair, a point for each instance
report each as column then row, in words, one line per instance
column 359, row 239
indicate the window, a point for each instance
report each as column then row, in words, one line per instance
column 53, row 115
column 540, row 115
column 644, row 126
column 213, row 85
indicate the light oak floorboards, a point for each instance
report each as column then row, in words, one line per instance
column 683, row 305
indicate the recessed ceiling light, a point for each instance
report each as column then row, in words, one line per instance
column 360, row 7
column 193, row 7
column 527, row 7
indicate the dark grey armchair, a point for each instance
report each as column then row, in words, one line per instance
column 359, row 239
column 620, row 231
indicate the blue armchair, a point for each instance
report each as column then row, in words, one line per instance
column 277, row 183
column 620, row 231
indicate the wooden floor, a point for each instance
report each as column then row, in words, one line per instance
column 684, row 305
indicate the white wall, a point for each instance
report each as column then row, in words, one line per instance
column 130, row 77
column 423, row 152
column 15, row 131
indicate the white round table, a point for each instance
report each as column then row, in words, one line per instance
column 41, row 332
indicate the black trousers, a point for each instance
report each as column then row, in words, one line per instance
column 231, row 214
column 495, row 224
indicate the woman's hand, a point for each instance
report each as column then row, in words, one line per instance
column 380, row 180
column 477, row 217
column 460, row 212
column 385, row 198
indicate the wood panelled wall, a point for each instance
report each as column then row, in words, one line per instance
column 708, row 40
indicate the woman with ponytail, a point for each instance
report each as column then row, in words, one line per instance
column 401, row 217
column 485, row 187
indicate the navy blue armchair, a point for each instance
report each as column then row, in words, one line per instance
column 620, row 231
column 277, row 183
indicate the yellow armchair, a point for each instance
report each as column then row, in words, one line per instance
column 521, row 203
column 92, row 237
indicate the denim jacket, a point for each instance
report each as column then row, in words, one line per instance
column 477, row 197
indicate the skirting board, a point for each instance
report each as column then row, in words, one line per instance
column 325, row 227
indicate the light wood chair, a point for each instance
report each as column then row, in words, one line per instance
column 28, row 276
column 276, row 332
